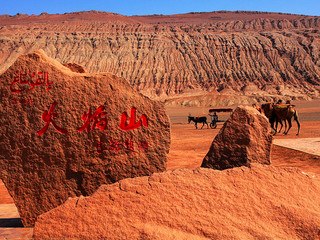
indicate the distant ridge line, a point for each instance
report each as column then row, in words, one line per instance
column 150, row 15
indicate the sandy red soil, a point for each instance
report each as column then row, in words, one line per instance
column 5, row 198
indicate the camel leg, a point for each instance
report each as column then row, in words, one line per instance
column 290, row 125
column 272, row 126
column 285, row 125
column 275, row 131
column 281, row 126
column 195, row 124
column 202, row 125
column 298, row 123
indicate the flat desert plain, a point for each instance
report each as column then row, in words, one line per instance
column 190, row 145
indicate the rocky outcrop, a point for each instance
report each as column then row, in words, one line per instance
column 63, row 134
column 239, row 203
column 162, row 56
column 245, row 138
column 75, row 67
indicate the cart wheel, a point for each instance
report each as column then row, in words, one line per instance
column 213, row 125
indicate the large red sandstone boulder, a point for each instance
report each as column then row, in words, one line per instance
column 63, row 134
column 238, row 203
column 244, row 139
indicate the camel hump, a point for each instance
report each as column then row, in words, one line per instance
column 281, row 106
column 284, row 109
column 291, row 109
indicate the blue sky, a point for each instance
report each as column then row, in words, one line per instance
column 144, row 7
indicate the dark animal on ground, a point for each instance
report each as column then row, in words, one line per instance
column 197, row 120
column 268, row 111
column 277, row 113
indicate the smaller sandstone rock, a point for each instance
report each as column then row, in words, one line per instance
column 244, row 139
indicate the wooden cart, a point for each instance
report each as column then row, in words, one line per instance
column 214, row 117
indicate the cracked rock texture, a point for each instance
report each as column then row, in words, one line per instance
column 261, row 202
column 245, row 138
column 262, row 56
column 69, row 158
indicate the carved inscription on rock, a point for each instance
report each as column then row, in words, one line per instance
column 63, row 134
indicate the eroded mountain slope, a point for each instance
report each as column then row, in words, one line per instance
column 249, row 53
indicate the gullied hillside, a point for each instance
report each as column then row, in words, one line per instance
column 213, row 54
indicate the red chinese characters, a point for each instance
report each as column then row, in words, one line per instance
column 144, row 145
column 96, row 118
column 47, row 117
column 114, row 145
column 22, row 101
column 143, row 121
column 128, row 144
column 99, row 147
column 27, row 81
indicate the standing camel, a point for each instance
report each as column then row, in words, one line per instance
column 279, row 112
column 268, row 110
column 286, row 112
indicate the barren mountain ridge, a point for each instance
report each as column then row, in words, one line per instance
column 180, row 58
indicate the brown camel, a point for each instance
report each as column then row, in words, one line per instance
column 286, row 112
column 267, row 109
column 279, row 112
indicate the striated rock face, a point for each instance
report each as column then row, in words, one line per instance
column 162, row 56
column 63, row 134
column 239, row 203
column 244, row 139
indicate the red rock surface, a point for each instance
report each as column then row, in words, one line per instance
column 185, row 54
column 245, row 138
column 261, row 202
column 75, row 67
column 41, row 167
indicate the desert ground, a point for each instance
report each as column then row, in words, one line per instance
column 190, row 145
